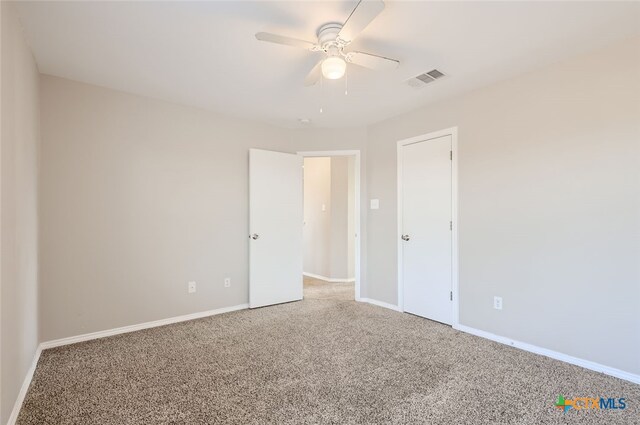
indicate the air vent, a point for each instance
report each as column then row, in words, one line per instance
column 425, row 78
column 435, row 74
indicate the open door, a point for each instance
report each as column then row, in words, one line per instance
column 275, row 226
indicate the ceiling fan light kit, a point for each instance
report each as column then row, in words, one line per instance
column 333, row 39
column 333, row 67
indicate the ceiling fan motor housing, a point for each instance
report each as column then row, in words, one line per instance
column 328, row 39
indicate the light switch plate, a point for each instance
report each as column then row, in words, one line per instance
column 375, row 204
column 497, row 303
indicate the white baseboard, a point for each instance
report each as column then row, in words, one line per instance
column 141, row 326
column 330, row 279
column 25, row 387
column 587, row 364
column 380, row 304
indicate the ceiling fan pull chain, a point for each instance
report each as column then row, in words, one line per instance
column 321, row 92
column 346, row 81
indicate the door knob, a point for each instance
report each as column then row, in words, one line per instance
column 405, row 237
column 255, row 236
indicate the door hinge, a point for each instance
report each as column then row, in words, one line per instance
column 451, row 225
column 451, row 296
column 450, row 155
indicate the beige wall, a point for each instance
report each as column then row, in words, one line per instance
column 549, row 200
column 317, row 222
column 339, row 218
column 351, row 217
column 18, row 210
column 138, row 198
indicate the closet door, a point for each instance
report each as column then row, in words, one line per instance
column 426, row 256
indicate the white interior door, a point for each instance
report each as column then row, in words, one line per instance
column 275, row 226
column 426, row 229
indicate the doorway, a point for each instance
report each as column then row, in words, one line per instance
column 331, row 224
column 427, row 229
column 276, row 242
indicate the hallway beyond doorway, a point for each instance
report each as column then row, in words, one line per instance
column 322, row 290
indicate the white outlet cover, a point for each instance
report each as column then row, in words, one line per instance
column 375, row 204
column 191, row 287
column 227, row 282
column 497, row 303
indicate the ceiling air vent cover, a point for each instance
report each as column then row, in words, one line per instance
column 425, row 78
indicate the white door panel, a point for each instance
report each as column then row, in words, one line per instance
column 426, row 218
column 275, row 226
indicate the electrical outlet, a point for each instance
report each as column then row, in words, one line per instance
column 497, row 303
column 191, row 287
column 227, row 282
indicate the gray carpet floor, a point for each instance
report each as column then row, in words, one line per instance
column 324, row 360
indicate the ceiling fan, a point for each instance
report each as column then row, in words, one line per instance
column 333, row 40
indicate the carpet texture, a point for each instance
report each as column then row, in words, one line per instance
column 324, row 360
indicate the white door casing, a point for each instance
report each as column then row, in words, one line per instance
column 357, row 194
column 275, row 227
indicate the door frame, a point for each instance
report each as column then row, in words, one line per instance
column 356, row 219
column 453, row 132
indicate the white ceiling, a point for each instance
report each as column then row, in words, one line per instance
column 204, row 53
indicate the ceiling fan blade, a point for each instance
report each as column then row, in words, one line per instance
column 314, row 75
column 287, row 41
column 370, row 61
column 362, row 15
